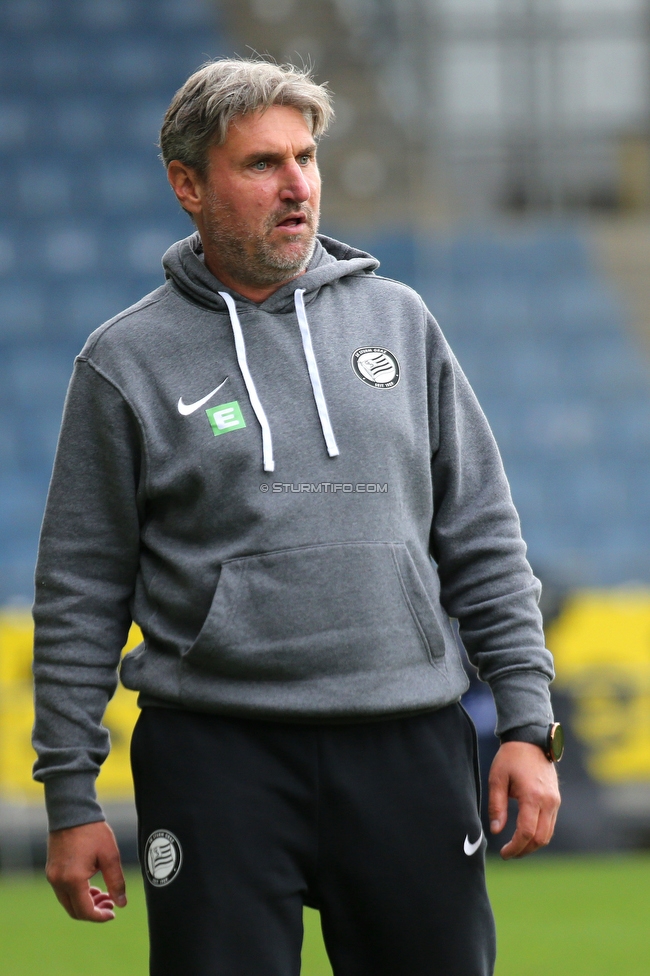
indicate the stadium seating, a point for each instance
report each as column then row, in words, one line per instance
column 87, row 213
column 87, row 216
column 566, row 388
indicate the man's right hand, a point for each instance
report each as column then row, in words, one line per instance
column 74, row 855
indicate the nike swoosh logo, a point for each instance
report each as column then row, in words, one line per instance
column 470, row 848
column 187, row 408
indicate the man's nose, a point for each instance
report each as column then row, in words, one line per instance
column 295, row 186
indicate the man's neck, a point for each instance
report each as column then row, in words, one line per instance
column 254, row 293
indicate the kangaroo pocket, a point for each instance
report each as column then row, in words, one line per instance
column 315, row 611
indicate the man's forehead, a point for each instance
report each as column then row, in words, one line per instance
column 269, row 130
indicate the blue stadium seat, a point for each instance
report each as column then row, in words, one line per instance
column 14, row 123
column 20, row 507
column 104, row 15
column 26, row 15
column 22, row 309
column 80, row 123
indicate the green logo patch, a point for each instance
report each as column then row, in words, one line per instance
column 225, row 418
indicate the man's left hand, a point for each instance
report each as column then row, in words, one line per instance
column 521, row 770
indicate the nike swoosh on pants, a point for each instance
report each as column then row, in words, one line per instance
column 470, row 848
column 187, row 408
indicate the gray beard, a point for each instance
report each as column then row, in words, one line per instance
column 251, row 258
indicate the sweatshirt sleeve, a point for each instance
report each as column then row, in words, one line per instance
column 486, row 580
column 85, row 577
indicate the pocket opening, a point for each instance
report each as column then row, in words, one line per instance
column 295, row 614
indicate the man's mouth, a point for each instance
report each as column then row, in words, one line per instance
column 293, row 221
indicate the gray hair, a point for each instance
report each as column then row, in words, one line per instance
column 221, row 90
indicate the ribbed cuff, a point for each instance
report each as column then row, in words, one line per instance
column 535, row 734
column 71, row 800
column 522, row 699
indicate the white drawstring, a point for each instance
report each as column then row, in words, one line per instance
column 240, row 347
column 312, row 367
column 314, row 375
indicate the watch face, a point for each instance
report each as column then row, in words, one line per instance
column 556, row 742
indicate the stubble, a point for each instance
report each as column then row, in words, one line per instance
column 251, row 256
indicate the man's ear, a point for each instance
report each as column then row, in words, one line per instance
column 187, row 185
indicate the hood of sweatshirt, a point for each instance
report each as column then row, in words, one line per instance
column 185, row 266
column 331, row 260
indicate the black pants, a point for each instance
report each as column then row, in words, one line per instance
column 375, row 824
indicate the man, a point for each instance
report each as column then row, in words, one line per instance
column 275, row 466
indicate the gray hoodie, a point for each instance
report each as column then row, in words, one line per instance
column 291, row 499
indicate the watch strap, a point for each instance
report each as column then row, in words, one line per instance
column 549, row 738
column 535, row 734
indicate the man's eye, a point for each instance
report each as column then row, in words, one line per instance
column 304, row 159
column 260, row 166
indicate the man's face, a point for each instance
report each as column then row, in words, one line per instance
column 261, row 198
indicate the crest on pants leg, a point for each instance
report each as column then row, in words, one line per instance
column 163, row 857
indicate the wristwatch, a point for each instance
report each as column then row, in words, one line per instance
column 554, row 742
column 550, row 739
